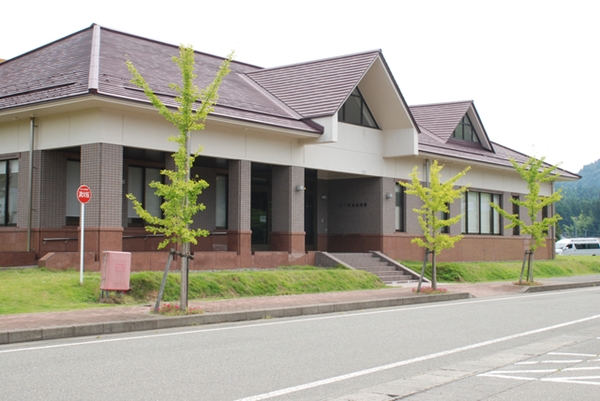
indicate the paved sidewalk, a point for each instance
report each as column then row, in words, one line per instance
column 98, row 321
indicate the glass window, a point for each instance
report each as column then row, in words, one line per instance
column 465, row 130
column 138, row 180
column 222, row 183
column 355, row 111
column 400, row 208
column 151, row 201
column 478, row 215
column 73, row 181
column 445, row 216
column 9, row 192
column 516, row 210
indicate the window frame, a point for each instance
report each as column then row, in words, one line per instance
column 10, row 193
column 472, row 221
column 466, row 122
column 344, row 113
column 73, row 181
column 400, row 208
column 516, row 209
column 220, row 197
column 138, row 221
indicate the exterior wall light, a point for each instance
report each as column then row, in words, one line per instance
column 389, row 195
column 300, row 188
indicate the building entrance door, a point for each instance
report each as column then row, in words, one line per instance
column 310, row 210
column 260, row 219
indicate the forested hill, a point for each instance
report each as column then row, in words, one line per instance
column 588, row 186
column 580, row 205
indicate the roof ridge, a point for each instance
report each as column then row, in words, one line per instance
column 442, row 103
column 315, row 61
column 94, row 74
column 47, row 44
column 293, row 113
column 172, row 45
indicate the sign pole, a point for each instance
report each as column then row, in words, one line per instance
column 82, row 223
column 84, row 194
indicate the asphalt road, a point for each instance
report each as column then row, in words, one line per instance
column 542, row 346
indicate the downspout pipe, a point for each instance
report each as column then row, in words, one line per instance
column 30, row 183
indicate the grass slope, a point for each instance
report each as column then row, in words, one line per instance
column 41, row 290
column 474, row 272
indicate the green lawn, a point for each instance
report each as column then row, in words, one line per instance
column 474, row 272
column 40, row 290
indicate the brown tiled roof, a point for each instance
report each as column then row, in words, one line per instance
column 440, row 119
column 239, row 98
column 54, row 71
column 93, row 60
column 317, row 88
column 437, row 123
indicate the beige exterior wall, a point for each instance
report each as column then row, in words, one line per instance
column 357, row 151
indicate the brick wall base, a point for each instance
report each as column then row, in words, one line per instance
column 156, row 261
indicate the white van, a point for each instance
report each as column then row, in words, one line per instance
column 578, row 246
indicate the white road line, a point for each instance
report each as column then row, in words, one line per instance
column 569, row 354
column 508, row 377
column 557, row 361
column 576, row 380
column 499, row 372
column 340, row 315
column 573, row 369
column 377, row 369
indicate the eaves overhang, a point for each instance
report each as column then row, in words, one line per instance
column 97, row 100
column 504, row 165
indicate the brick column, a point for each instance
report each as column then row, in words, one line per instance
column 288, row 210
column 23, row 189
column 53, row 197
column 239, row 235
column 19, row 235
column 102, row 171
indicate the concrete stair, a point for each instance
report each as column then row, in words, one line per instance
column 389, row 271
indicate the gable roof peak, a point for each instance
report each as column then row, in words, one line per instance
column 322, row 60
column 316, row 88
column 458, row 102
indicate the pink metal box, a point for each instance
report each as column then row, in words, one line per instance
column 115, row 270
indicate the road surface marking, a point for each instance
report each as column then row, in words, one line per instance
column 394, row 365
column 569, row 354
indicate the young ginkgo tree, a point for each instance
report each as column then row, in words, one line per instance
column 535, row 172
column 181, row 192
column 436, row 197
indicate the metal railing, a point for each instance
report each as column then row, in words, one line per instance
column 66, row 240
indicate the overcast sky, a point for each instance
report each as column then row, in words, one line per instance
column 531, row 66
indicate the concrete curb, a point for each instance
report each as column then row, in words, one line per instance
column 166, row 322
column 558, row 287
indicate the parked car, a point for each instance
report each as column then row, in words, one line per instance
column 578, row 246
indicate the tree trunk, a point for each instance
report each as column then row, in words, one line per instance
column 433, row 272
column 423, row 270
column 185, row 249
column 183, row 299
column 531, row 260
column 523, row 267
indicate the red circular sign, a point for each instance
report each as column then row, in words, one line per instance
column 84, row 194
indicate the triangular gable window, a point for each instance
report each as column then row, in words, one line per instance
column 466, row 131
column 355, row 111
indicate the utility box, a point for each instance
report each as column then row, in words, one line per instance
column 115, row 270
